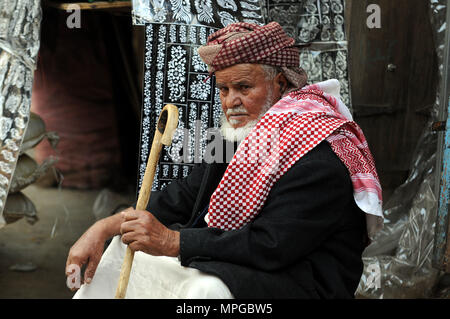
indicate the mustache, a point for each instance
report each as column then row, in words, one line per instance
column 237, row 110
column 242, row 110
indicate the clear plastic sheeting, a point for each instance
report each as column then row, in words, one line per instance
column 19, row 44
column 398, row 263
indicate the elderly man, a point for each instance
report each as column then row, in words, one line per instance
column 291, row 223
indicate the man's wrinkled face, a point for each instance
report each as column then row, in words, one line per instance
column 244, row 93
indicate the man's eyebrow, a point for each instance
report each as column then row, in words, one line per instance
column 241, row 82
column 235, row 83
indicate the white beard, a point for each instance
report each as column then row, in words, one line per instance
column 232, row 134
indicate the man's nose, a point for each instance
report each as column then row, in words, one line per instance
column 233, row 100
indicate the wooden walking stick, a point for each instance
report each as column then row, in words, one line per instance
column 167, row 123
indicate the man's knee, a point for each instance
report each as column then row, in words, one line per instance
column 207, row 286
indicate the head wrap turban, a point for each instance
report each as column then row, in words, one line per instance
column 251, row 43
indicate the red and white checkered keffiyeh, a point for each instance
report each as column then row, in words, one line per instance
column 289, row 130
column 249, row 43
column 244, row 42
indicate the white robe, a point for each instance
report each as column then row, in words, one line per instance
column 152, row 277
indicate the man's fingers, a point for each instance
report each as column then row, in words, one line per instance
column 72, row 268
column 135, row 246
column 73, row 273
column 68, row 262
column 128, row 226
column 129, row 237
column 130, row 214
column 71, row 262
column 90, row 269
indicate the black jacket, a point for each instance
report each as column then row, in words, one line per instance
column 306, row 242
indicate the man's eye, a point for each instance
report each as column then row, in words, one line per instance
column 245, row 87
column 223, row 90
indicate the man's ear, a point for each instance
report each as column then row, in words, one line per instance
column 281, row 83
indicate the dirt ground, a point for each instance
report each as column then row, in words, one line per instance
column 64, row 214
